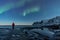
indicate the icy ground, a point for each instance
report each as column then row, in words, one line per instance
column 24, row 34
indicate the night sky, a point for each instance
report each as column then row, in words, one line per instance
column 25, row 12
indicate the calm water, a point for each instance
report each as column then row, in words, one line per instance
column 17, row 26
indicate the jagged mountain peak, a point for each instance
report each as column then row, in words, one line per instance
column 55, row 20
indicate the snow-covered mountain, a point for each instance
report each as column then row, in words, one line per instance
column 52, row 21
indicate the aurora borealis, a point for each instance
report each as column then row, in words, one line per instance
column 25, row 12
column 31, row 10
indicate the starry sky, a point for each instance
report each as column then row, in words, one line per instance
column 25, row 12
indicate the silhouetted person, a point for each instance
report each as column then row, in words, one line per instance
column 13, row 25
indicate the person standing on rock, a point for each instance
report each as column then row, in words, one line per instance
column 13, row 25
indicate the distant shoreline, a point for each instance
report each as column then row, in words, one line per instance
column 16, row 25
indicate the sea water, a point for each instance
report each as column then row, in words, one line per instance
column 16, row 26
